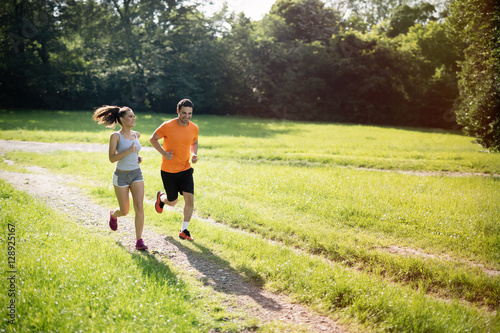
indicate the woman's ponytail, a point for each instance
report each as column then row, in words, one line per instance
column 109, row 115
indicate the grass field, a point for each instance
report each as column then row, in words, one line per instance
column 395, row 230
column 71, row 280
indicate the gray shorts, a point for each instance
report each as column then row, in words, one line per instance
column 125, row 178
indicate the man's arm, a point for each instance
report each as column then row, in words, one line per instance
column 194, row 151
column 154, row 142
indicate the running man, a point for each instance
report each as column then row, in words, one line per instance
column 180, row 148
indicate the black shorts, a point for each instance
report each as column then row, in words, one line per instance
column 175, row 183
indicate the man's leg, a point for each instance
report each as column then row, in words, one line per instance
column 188, row 206
column 188, row 212
column 169, row 184
column 164, row 199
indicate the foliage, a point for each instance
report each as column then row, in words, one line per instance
column 350, row 77
column 371, row 62
column 138, row 53
column 307, row 20
column 404, row 17
column 29, row 38
column 432, row 82
column 479, row 77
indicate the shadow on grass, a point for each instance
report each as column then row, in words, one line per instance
column 154, row 268
column 219, row 274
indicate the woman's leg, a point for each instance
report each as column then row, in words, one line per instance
column 137, row 189
column 123, row 200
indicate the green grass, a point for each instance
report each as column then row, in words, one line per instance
column 300, row 185
column 347, row 215
column 361, row 297
column 72, row 279
column 277, row 142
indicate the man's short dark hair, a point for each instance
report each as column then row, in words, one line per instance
column 185, row 102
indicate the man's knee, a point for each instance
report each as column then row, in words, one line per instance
column 188, row 198
column 171, row 203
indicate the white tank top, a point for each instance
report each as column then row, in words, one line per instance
column 131, row 161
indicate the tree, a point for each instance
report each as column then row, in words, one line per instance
column 477, row 22
column 371, row 80
column 283, row 57
column 29, row 37
column 73, row 54
column 433, row 83
column 246, row 60
column 307, row 20
column 366, row 13
column 403, row 17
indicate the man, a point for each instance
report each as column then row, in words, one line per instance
column 180, row 145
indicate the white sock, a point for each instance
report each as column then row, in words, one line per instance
column 163, row 197
column 184, row 225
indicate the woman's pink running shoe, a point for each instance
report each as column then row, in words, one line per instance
column 113, row 221
column 140, row 245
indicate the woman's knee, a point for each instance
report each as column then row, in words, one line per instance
column 123, row 211
column 139, row 207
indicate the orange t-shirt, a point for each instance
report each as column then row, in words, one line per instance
column 179, row 140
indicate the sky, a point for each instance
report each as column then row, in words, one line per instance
column 255, row 9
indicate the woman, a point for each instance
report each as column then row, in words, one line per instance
column 124, row 148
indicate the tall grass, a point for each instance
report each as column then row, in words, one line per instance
column 300, row 185
column 349, row 216
column 277, row 142
column 69, row 278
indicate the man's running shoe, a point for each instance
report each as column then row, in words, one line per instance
column 185, row 235
column 113, row 221
column 140, row 245
column 159, row 204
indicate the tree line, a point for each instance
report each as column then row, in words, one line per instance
column 393, row 62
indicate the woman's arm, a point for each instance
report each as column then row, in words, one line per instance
column 114, row 156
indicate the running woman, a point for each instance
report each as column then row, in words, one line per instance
column 180, row 148
column 124, row 149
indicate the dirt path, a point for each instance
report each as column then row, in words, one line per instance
column 240, row 296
